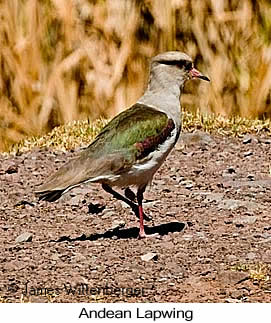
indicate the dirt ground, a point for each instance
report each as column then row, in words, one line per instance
column 210, row 202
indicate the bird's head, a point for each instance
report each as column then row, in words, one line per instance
column 176, row 65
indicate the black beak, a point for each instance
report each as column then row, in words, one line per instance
column 196, row 74
column 205, row 78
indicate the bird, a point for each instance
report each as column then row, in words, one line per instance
column 133, row 145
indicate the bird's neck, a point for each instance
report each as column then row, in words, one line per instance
column 163, row 93
column 164, row 83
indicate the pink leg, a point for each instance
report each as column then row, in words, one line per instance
column 142, row 233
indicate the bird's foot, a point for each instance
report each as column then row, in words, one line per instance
column 143, row 235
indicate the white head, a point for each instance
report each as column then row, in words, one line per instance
column 172, row 68
column 168, row 73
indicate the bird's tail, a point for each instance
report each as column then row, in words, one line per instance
column 50, row 196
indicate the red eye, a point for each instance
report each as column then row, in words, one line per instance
column 188, row 66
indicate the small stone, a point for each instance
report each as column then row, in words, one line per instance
column 117, row 224
column 24, row 203
column 55, row 257
column 78, row 258
column 247, row 140
column 231, row 258
column 245, row 220
column 162, row 279
column 188, row 184
column 108, row 213
column 201, row 235
column 266, row 240
column 149, row 256
column 251, row 256
column 124, row 205
column 213, row 197
column 24, row 237
column 75, row 201
column 229, row 204
column 232, row 300
column 228, row 221
column 187, row 237
column 237, row 294
column 265, row 141
column 13, row 168
column 229, row 172
column 230, row 277
column 150, row 203
column 197, row 137
column 248, row 153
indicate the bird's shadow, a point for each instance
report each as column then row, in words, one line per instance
column 162, row 229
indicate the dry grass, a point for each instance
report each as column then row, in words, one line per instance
column 259, row 273
column 80, row 133
column 66, row 137
column 64, row 60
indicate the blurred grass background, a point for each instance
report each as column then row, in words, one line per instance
column 64, row 60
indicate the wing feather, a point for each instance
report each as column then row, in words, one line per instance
column 127, row 138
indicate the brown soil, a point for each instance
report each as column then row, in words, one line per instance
column 210, row 202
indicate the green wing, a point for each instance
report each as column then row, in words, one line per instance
column 127, row 138
column 131, row 127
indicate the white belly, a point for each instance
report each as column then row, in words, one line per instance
column 142, row 172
